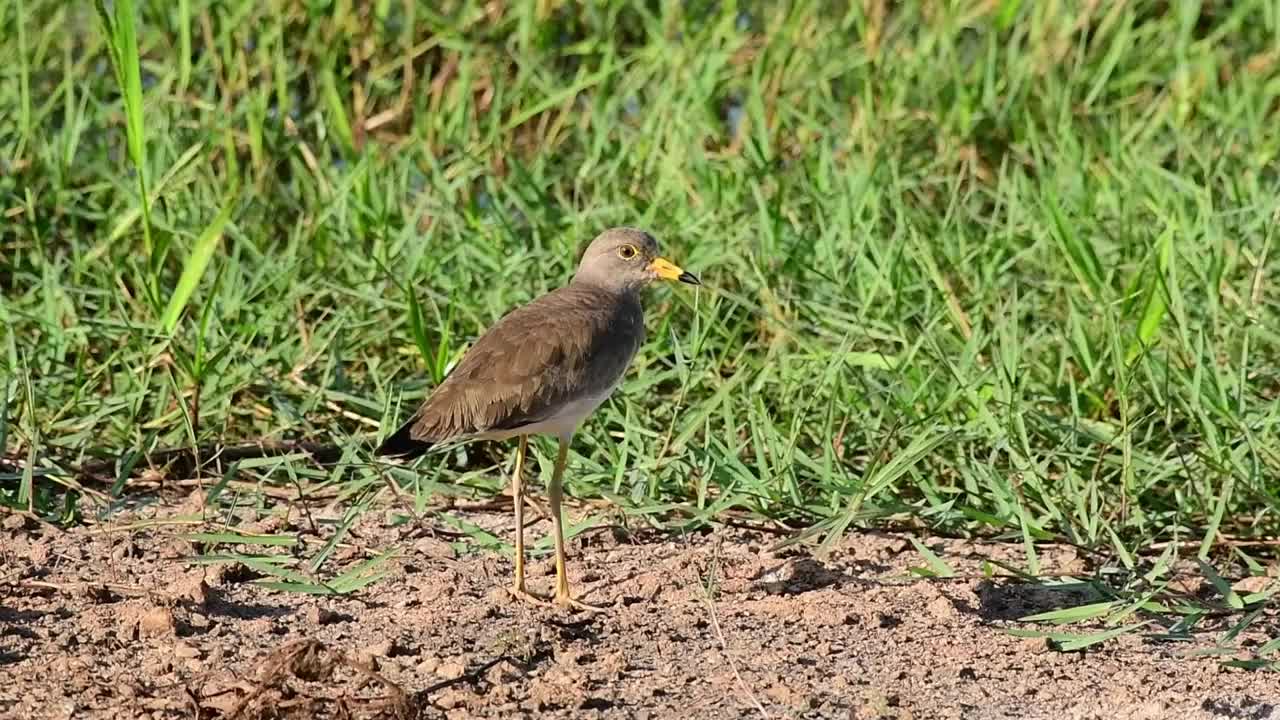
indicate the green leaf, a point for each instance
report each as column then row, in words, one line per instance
column 304, row 588
column 1154, row 309
column 363, row 574
column 1070, row 642
column 265, row 564
column 1126, row 558
column 1078, row 250
column 1215, row 520
column 4, row 415
column 1073, row 614
column 1234, row 632
column 1222, row 586
column 1252, row 664
column 120, row 31
column 1269, row 647
column 920, row 446
column 234, row 538
column 337, row 109
column 937, row 566
column 218, row 487
column 195, row 266
column 1007, row 13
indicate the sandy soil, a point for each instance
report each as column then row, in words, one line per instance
column 104, row 622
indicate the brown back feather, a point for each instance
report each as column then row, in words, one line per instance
column 576, row 340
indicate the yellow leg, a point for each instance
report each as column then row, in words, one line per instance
column 517, row 491
column 554, row 495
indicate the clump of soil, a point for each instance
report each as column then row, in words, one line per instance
column 119, row 622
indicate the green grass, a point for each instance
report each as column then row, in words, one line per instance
column 986, row 267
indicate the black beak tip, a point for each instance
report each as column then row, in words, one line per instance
column 690, row 278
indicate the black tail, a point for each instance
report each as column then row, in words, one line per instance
column 402, row 444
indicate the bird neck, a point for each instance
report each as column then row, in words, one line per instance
column 626, row 291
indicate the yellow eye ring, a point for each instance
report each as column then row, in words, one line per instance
column 627, row 252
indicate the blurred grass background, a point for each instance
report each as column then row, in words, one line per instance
column 979, row 266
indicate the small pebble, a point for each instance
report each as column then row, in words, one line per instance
column 451, row 670
column 316, row 615
column 1253, row 584
column 941, row 608
column 122, row 551
column 157, row 621
column 14, row 522
column 434, row 548
column 185, row 650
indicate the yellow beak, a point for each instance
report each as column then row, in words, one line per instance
column 668, row 270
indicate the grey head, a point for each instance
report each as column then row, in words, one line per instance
column 625, row 260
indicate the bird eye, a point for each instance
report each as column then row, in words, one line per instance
column 627, row 252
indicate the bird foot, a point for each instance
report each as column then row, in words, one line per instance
column 567, row 601
column 519, row 593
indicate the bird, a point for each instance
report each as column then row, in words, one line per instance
column 542, row 369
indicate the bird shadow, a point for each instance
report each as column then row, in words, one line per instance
column 584, row 629
column 1248, row 709
column 18, row 622
column 219, row 606
column 1009, row 600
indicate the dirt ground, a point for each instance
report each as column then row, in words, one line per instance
column 109, row 622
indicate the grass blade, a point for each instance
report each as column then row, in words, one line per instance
column 1071, row 642
column 1222, row 586
column 195, row 266
column 937, row 566
column 120, row 30
column 1079, row 613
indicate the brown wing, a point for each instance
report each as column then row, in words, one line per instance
column 575, row 340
